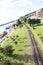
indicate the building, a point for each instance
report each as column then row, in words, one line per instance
column 38, row 14
column 3, row 34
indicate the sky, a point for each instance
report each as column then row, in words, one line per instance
column 13, row 9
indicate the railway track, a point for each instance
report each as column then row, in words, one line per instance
column 38, row 59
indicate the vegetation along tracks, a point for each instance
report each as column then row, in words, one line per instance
column 36, row 52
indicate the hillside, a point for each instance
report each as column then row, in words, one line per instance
column 36, row 14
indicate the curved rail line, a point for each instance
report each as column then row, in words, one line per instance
column 37, row 55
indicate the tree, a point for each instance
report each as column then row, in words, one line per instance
column 38, row 21
column 29, row 21
column 25, row 20
column 18, row 22
column 34, row 21
column 13, row 25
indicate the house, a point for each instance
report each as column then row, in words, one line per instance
column 38, row 14
column 3, row 34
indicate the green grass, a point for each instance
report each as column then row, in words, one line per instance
column 18, row 53
column 39, row 36
column 38, row 33
column 22, row 54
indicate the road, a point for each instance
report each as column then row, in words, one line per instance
column 38, row 59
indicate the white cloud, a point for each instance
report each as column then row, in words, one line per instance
column 13, row 9
column 5, row 4
column 9, row 10
column 40, row 0
column 5, row 14
column 23, row 2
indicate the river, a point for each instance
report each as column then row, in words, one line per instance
column 3, row 28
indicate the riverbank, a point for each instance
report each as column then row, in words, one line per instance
column 6, row 36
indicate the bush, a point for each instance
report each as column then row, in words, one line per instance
column 34, row 21
column 13, row 25
column 25, row 20
column 1, row 49
column 21, row 25
column 1, row 57
column 17, row 35
column 6, row 62
column 8, row 50
column 18, row 22
column 15, row 42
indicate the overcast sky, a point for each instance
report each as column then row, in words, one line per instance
column 13, row 9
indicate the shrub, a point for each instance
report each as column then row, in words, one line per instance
column 17, row 35
column 1, row 49
column 18, row 22
column 34, row 21
column 15, row 42
column 8, row 50
column 25, row 20
column 6, row 62
column 13, row 25
column 21, row 25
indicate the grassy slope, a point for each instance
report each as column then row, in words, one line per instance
column 38, row 30
column 21, row 40
column 38, row 34
column 22, row 51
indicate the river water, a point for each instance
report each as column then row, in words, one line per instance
column 3, row 28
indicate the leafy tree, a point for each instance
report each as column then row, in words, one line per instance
column 13, row 25
column 25, row 20
column 34, row 21
column 29, row 21
column 18, row 22
column 38, row 21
